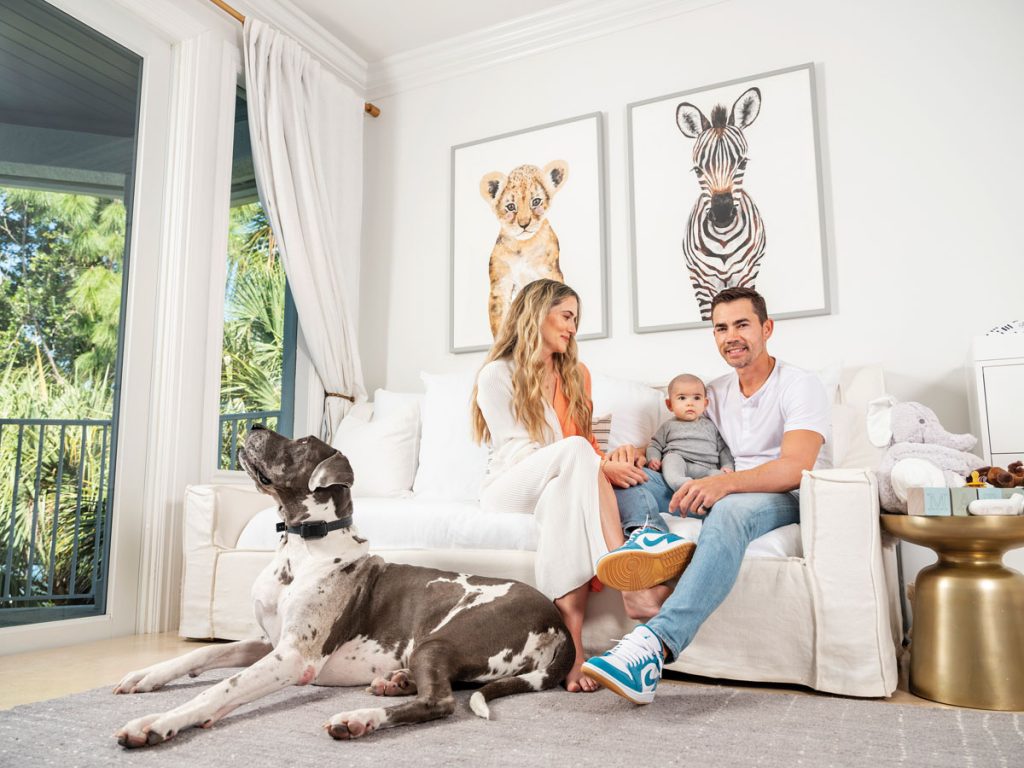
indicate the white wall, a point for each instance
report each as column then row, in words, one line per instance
column 921, row 167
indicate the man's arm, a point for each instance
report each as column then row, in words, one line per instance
column 800, row 449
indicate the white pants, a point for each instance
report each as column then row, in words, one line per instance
column 558, row 484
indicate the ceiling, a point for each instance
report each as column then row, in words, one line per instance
column 378, row 29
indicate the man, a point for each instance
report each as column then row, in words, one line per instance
column 776, row 419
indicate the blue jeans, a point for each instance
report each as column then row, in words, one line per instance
column 731, row 524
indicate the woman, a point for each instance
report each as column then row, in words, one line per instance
column 532, row 405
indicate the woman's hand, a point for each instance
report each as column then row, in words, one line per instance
column 623, row 474
column 628, row 454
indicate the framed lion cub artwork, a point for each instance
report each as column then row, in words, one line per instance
column 527, row 205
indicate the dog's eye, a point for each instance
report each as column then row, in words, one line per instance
column 262, row 478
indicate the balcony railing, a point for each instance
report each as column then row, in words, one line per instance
column 54, row 515
column 233, row 429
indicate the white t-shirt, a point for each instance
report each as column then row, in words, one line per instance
column 791, row 398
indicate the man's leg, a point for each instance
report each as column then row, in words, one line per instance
column 641, row 505
column 652, row 555
column 731, row 524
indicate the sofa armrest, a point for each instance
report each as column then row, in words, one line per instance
column 853, row 600
column 214, row 518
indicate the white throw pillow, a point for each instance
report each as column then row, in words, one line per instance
column 382, row 451
column 829, row 376
column 851, row 447
column 451, row 465
column 387, row 404
column 636, row 409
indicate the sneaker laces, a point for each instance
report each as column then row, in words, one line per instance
column 632, row 649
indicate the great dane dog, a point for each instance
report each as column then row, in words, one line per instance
column 334, row 615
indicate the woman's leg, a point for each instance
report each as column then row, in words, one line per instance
column 611, row 526
column 573, row 607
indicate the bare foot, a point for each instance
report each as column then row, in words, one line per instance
column 577, row 682
column 645, row 603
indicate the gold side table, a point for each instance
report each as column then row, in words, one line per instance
column 968, row 641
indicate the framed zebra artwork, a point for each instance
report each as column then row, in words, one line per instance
column 726, row 190
column 526, row 205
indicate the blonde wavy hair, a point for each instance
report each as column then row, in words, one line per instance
column 519, row 341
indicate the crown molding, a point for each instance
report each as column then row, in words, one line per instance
column 293, row 21
column 560, row 26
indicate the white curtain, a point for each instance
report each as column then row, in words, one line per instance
column 306, row 127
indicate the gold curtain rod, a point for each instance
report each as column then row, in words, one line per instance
column 371, row 109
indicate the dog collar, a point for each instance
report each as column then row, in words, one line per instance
column 316, row 529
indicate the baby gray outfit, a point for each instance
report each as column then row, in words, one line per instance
column 688, row 450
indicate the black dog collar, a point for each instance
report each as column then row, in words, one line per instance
column 316, row 529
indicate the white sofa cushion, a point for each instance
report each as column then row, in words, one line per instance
column 418, row 524
column 451, row 465
column 382, row 451
column 636, row 409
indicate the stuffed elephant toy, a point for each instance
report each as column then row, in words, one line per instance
column 920, row 452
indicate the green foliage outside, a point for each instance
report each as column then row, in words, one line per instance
column 60, row 296
column 251, row 361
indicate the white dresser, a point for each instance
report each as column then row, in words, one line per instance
column 996, row 384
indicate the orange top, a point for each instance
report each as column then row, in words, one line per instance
column 560, row 403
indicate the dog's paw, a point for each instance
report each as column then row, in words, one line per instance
column 398, row 683
column 141, row 732
column 351, row 725
column 144, row 680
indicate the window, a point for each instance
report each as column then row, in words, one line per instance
column 257, row 376
column 68, row 116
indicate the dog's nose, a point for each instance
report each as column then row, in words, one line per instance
column 257, row 426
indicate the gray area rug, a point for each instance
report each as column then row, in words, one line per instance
column 687, row 725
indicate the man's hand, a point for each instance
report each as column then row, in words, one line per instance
column 622, row 474
column 654, row 464
column 698, row 496
column 628, row 454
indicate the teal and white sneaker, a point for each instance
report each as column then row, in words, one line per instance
column 632, row 668
column 650, row 557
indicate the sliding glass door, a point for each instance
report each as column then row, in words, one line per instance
column 68, row 131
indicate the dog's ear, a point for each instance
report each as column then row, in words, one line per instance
column 335, row 470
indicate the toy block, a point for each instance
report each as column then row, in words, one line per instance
column 960, row 498
column 929, row 501
column 991, row 493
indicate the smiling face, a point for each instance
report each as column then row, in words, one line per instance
column 687, row 399
column 739, row 333
column 559, row 326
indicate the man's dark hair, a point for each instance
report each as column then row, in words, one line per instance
column 729, row 295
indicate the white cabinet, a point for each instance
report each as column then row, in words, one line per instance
column 997, row 397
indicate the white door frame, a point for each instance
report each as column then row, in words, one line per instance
column 177, row 166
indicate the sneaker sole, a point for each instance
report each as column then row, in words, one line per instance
column 614, row 686
column 632, row 571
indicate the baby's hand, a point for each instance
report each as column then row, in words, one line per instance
column 654, row 464
column 727, row 470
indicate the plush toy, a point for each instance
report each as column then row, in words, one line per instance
column 920, row 452
column 1011, row 477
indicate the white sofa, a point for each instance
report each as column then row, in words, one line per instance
column 816, row 604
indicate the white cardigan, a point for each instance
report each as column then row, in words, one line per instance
column 510, row 442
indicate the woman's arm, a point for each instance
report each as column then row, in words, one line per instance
column 494, row 397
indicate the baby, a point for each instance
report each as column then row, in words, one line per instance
column 688, row 446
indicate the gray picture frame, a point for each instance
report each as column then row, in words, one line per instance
column 821, row 236
column 595, row 204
